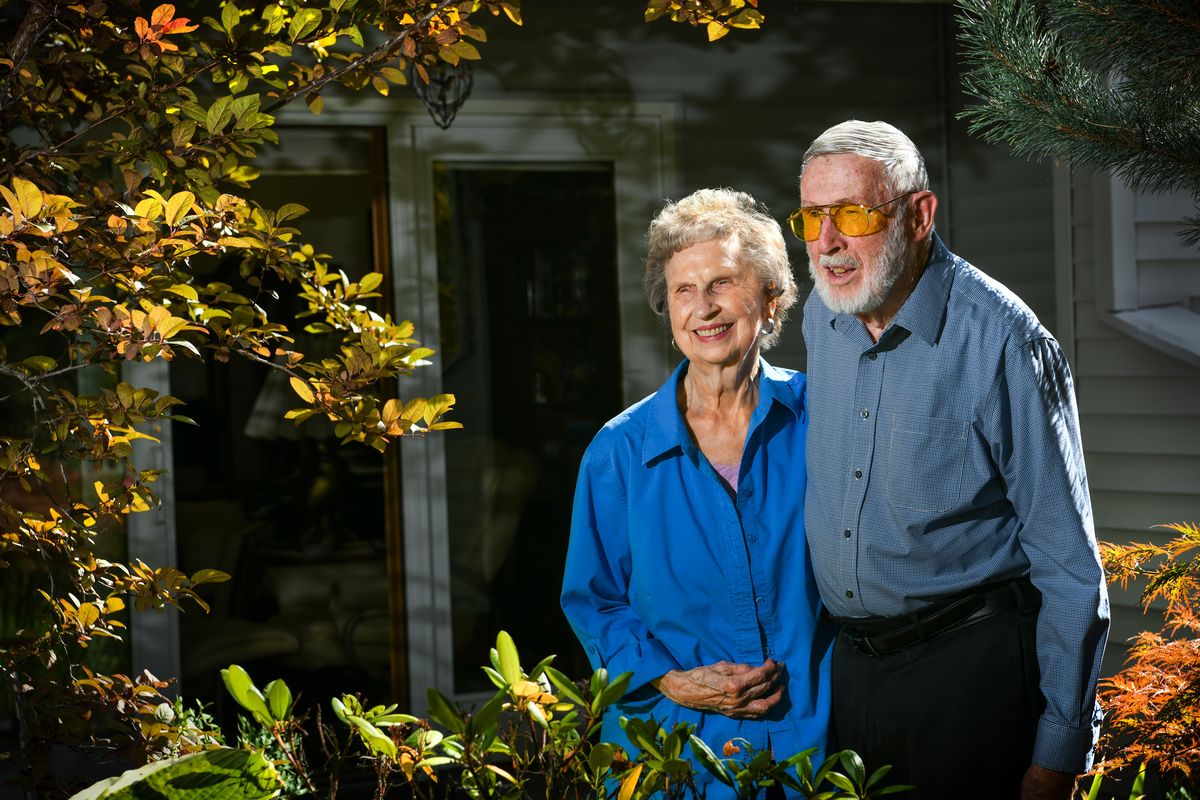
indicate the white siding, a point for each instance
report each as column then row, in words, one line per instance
column 1140, row 417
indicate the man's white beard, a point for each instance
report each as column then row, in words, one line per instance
column 876, row 283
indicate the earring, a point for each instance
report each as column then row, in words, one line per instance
column 768, row 326
column 674, row 346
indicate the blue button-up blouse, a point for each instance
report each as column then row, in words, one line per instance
column 666, row 570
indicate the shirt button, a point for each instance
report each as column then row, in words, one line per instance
column 850, row 594
column 857, row 474
column 864, row 413
column 752, row 539
column 747, row 491
column 872, row 356
column 846, row 533
column 759, row 600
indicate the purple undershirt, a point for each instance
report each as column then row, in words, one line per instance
column 729, row 473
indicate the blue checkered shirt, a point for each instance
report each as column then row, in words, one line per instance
column 947, row 456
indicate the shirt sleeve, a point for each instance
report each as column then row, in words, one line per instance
column 1040, row 455
column 595, row 594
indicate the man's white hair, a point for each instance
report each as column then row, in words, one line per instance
column 903, row 166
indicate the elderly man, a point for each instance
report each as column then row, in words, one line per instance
column 947, row 508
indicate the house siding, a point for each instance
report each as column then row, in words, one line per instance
column 1138, row 412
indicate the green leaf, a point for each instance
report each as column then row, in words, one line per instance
column 853, row 764
column 219, row 114
column 839, row 780
column 495, row 677
column 247, row 695
column 488, row 714
column 376, row 740
column 565, row 686
column 279, row 699
column 221, row 774
column 36, row 364
column 208, row 576
column 370, row 282
column 510, row 662
column 614, row 691
column 601, row 757
column 291, row 211
column 708, row 759
column 230, row 16
column 304, row 23
column 878, row 775
column 538, row 716
column 442, row 710
column 339, row 709
column 539, row 667
column 182, row 133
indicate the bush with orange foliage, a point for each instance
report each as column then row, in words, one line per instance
column 1153, row 704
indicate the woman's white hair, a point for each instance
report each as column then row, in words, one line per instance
column 722, row 214
column 903, row 165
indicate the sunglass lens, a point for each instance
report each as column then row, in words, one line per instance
column 811, row 218
column 852, row 220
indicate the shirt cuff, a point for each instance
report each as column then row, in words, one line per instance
column 647, row 659
column 1063, row 748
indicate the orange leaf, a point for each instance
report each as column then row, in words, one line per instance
column 180, row 25
column 162, row 15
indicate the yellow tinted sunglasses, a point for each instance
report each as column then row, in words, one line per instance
column 849, row 218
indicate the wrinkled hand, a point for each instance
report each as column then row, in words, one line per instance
column 1040, row 783
column 735, row 690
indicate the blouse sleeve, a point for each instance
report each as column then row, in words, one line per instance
column 595, row 593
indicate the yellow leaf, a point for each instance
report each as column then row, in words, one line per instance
column 171, row 326
column 512, row 12
column 301, row 388
column 391, row 411
column 88, row 615
column 414, row 408
column 502, row 773
column 629, row 783
column 179, row 204
column 716, row 30
column 29, row 196
column 14, row 205
column 148, row 208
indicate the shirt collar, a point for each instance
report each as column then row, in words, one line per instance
column 666, row 430
column 924, row 312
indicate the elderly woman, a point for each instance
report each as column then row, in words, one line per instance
column 687, row 563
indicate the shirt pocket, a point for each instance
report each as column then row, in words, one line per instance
column 926, row 458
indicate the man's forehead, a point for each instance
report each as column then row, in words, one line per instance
column 842, row 177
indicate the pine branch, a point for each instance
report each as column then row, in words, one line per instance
column 1107, row 86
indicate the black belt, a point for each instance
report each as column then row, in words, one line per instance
column 879, row 636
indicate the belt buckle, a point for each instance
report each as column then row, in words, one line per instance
column 863, row 644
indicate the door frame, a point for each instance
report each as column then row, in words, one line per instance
column 638, row 138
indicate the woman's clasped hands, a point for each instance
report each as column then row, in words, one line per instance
column 740, row 691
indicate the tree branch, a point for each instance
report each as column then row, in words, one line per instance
column 379, row 52
column 41, row 14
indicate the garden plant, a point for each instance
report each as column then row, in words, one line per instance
column 536, row 737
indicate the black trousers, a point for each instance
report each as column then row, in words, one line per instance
column 955, row 715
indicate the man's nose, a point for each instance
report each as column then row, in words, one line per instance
column 830, row 239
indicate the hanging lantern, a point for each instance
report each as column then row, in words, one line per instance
column 448, row 88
